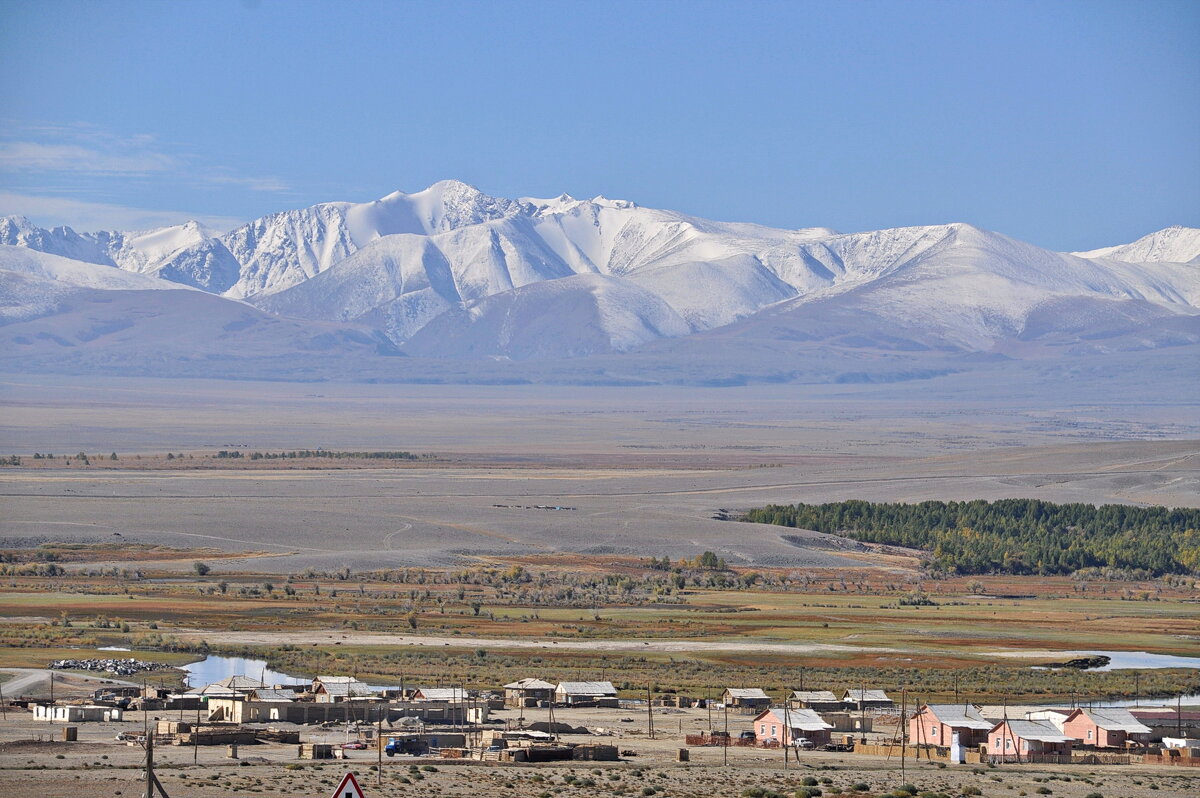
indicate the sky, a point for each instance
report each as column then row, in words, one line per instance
column 1071, row 125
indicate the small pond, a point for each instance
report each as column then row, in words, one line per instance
column 213, row 669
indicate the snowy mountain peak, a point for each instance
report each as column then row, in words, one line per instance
column 1175, row 244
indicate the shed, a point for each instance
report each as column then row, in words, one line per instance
column 446, row 695
column 817, row 700
column 586, row 694
column 745, row 698
column 867, row 699
column 527, row 692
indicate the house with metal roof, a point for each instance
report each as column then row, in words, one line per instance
column 817, row 700
column 748, row 698
column 1110, row 727
column 444, row 694
column 528, row 692
column 333, row 689
column 937, row 724
column 586, row 694
column 787, row 726
column 859, row 699
column 1012, row 740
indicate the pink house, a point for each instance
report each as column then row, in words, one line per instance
column 1105, row 728
column 786, row 727
column 936, row 724
column 1012, row 740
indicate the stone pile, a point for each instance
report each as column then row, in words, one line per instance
column 118, row 667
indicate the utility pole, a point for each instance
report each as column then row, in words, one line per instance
column 1137, row 688
column 379, row 746
column 725, row 748
column 152, row 782
column 787, row 732
column 196, row 734
column 649, row 712
column 903, row 731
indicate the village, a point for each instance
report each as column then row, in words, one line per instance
column 532, row 720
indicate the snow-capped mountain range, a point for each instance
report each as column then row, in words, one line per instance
column 450, row 272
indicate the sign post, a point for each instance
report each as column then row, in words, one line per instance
column 348, row 788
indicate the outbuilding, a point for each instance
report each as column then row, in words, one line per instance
column 593, row 694
column 860, row 699
column 528, row 692
column 747, row 698
column 816, row 700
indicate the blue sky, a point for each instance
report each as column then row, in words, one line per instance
column 1068, row 124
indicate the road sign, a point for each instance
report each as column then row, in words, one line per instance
column 348, row 788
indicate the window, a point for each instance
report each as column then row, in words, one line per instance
column 773, row 730
column 1008, row 745
column 1089, row 734
column 933, row 731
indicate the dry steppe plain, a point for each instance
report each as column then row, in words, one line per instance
column 639, row 471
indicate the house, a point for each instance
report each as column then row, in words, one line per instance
column 1011, row 740
column 527, row 693
column 867, row 699
column 444, row 694
column 1053, row 715
column 332, row 689
column 596, row 694
column 816, row 700
column 1106, row 728
column 786, row 726
column 270, row 695
column 937, row 724
column 231, row 687
column 747, row 698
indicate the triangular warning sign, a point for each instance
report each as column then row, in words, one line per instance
column 348, row 788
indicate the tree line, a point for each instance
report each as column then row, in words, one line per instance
column 1012, row 536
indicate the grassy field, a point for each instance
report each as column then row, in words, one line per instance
column 699, row 629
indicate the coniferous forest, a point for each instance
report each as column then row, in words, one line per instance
column 1015, row 536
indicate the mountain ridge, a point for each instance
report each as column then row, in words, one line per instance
column 450, row 272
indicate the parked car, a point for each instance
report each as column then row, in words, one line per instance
column 804, row 743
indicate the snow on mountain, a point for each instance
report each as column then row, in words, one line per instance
column 35, row 284
column 186, row 253
column 76, row 273
column 452, row 272
column 284, row 249
column 574, row 316
column 1174, row 244
column 710, row 273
